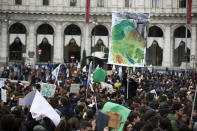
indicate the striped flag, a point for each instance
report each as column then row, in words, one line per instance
column 189, row 9
column 55, row 73
column 87, row 10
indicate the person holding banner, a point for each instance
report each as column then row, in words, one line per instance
column 132, row 85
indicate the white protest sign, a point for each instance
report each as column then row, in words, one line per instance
column 36, row 116
column 2, row 82
column 74, row 88
column 28, row 99
column 48, row 90
column 21, row 102
column 3, row 95
column 109, row 87
column 40, row 106
column 109, row 72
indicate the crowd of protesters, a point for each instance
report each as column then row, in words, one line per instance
column 167, row 109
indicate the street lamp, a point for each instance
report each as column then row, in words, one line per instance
column 186, row 35
column 95, row 24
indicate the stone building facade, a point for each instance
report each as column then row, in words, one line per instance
column 54, row 30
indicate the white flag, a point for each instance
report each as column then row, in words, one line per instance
column 89, row 73
column 56, row 72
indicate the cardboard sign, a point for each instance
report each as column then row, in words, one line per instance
column 107, row 86
column 3, row 95
column 2, row 82
column 48, row 90
column 74, row 88
column 119, row 109
column 114, row 121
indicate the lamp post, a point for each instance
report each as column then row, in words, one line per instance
column 7, row 20
column 95, row 24
column 186, row 36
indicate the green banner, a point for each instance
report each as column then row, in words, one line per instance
column 99, row 75
column 129, row 34
column 47, row 90
column 123, row 111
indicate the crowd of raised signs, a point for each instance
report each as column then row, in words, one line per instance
column 130, row 100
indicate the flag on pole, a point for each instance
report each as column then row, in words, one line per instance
column 189, row 9
column 89, row 73
column 55, row 73
column 87, row 10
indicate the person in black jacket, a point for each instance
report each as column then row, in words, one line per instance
column 66, row 109
column 132, row 85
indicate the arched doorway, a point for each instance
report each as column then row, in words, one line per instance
column 45, row 47
column 17, row 48
column 155, row 54
column 99, row 45
column 179, row 52
column 99, row 32
column 72, row 43
column 179, row 46
column 73, row 50
column 45, row 33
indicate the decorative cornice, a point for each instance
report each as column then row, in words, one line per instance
column 54, row 13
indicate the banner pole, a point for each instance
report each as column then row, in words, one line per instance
column 128, row 86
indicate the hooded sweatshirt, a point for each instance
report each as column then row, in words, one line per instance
column 174, row 122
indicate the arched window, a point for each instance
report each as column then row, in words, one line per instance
column 45, row 2
column 45, row 29
column 17, row 28
column 72, row 30
column 155, row 32
column 100, row 30
column 18, row 2
column 128, row 3
column 155, row 3
column 73, row 2
column 100, row 3
column 182, row 3
column 180, row 32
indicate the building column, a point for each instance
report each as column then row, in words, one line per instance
column 4, row 44
column 85, row 40
column 193, row 45
column 167, row 48
column 31, row 44
column 58, row 45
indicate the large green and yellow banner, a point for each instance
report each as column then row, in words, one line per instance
column 129, row 34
